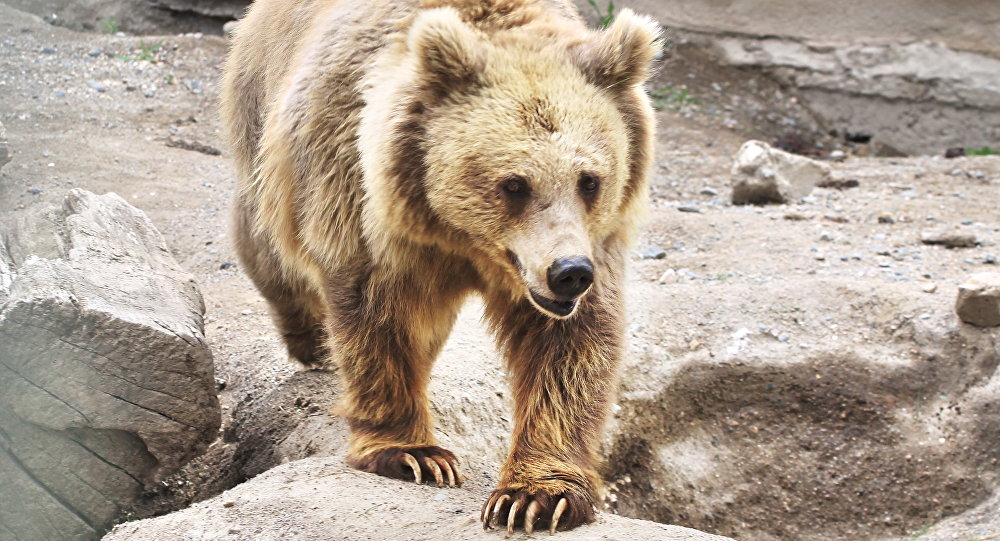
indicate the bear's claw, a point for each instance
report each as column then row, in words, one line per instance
column 416, row 463
column 570, row 510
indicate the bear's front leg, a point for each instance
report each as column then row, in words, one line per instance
column 387, row 328
column 563, row 374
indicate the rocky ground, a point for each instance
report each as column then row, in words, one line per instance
column 795, row 371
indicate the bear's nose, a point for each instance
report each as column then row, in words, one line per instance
column 570, row 276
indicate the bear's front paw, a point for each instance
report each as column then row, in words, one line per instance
column 515, row 508
column 417, row 463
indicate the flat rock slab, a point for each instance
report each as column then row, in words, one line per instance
column 106, row 380
column 322, row 499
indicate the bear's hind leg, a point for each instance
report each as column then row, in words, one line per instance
column 387, row 329
column 296, row 310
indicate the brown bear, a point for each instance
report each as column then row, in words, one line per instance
column 395, row 156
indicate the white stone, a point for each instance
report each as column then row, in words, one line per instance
column 763, row 174
column 978, row 300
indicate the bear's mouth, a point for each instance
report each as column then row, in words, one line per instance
column 559, row 309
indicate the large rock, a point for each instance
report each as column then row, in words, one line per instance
column 913, row 76
column 918, row 98
column 978, row 300
column 106, row 381
column 762, row 174
column 969, row 26
column 226, row 9
column 320, row 498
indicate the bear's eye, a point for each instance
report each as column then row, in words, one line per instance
column 589, row 184
column 515, row 186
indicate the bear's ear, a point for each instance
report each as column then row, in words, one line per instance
column 447, row 49
column 622, row 54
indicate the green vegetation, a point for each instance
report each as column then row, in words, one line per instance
column 985, row 151
column 672, row 97
column 110, row 26
column 147, row 52
column 605, row 16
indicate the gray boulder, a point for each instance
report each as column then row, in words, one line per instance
column 762, row 174
column 106, row 381
column 232, row 9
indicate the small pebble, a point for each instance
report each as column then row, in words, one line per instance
column 689, row 208
column 96, row 85
column 990, row 259
column 653, row 252
column 34, row 191
column 948, row 238
column 709, row 191
column 227, row 265
column 929, row 288
column 886, row 218
column 95, row 52
column 228, row 504
column 668, row 277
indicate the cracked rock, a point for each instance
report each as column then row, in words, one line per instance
column 106, row 380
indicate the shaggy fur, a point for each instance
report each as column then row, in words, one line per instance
column 395, row 156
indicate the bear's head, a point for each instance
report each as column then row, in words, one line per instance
column 525, row 148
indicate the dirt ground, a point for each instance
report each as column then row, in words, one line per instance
column 795, row 371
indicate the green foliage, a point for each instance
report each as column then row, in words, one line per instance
column 147, row 52
column 985, row 151
column 607, row 15
column 672, row 97
column 110, row 26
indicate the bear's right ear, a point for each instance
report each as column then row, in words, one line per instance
column 447, row 49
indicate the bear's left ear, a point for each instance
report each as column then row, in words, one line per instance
column 447, row 49
column 622, row 54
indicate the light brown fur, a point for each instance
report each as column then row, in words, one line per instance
column 375, row 142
